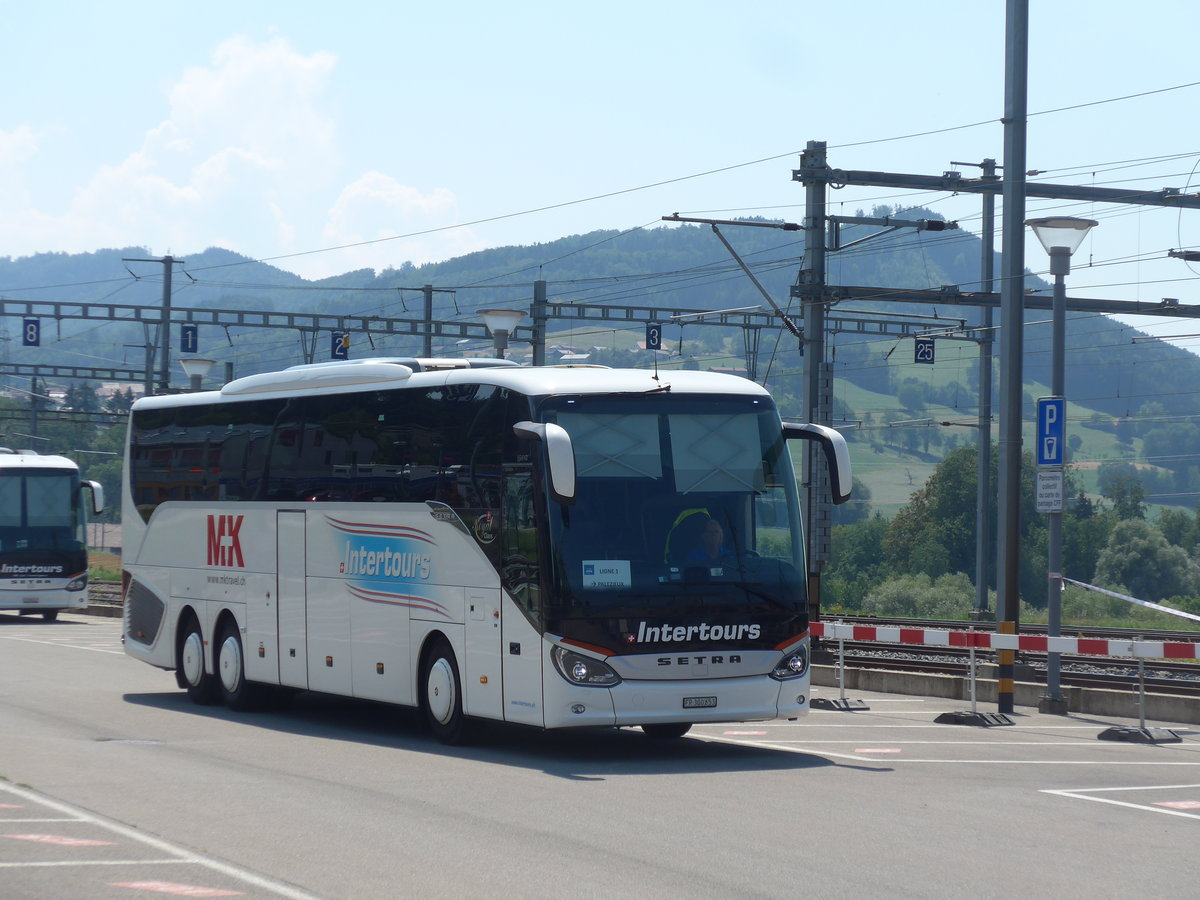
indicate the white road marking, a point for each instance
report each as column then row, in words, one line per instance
column 1086, row 794
column 25, row 640
column 807, row 748
column 178, row 854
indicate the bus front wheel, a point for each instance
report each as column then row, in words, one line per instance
column 189, row 669
column 441, row 694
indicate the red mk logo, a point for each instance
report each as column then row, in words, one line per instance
column 224, row 545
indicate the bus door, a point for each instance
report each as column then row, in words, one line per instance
column 291, row 598
column 482, row 667
column 521, row 639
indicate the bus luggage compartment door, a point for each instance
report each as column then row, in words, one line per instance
column 291, row 599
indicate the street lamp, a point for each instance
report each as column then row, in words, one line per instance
column 1061, row 236
column 501, row 323
column 195, row 368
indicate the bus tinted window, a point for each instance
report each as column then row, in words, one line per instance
column 444, row 444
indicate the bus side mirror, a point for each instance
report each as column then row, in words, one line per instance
column 560, row 456
column 97, row 490
column 837, row 454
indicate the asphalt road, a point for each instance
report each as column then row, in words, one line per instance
column 115, row 786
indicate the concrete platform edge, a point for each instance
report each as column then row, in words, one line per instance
column 1118, row 704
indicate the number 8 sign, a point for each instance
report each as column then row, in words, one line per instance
column 31, row 333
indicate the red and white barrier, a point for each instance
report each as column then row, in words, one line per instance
column 1038, row 643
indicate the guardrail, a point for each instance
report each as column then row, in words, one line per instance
column 988, row 640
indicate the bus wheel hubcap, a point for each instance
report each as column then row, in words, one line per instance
column 231, row 664
column 440, row 691
column 192, row 659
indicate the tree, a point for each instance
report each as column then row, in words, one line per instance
column 82, row 398
column 1139, row 559
column 911, row 395
column 119, row 402
column 857, row 509
column 1180, row 528
column 935, row 533
column 1120, row 483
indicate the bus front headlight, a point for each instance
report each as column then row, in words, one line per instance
column 583, row 670
column 77, row 584
column 791, row 665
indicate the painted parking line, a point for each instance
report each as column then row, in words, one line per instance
column 169, row 854
column 1166, row 808
column 174, row 889
column 59, row 840
column 95, row 648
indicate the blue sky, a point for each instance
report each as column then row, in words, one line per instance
column 277, row 129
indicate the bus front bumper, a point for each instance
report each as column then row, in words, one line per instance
column 747, row 699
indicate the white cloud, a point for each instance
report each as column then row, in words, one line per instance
column 17, row 146
column 244, row 148
column 376, row 208
column 246, row 157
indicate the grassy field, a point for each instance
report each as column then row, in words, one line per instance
column 104, row 566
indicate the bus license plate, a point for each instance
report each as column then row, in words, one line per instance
column 699, row 702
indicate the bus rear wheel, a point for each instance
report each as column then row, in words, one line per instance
column 667, row 730
column 189, row 668
column 441, row 694
column 236, row 691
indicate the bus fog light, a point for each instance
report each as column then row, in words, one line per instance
column 579, row 709
column 583, row 670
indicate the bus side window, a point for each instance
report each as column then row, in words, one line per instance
column 519, row 566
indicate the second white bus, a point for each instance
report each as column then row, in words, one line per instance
column 43, row 546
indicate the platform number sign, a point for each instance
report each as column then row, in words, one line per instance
column 339, row 345
column 189, row 338
column 31, row 333
column 923, row 351
column 653, row 336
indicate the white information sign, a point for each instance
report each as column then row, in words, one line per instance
column 599, row 574
column 1049, row 491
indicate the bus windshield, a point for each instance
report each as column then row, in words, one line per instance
column 684, row 504
column 40, row 510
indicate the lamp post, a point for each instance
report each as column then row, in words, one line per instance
column 501, row 323
column 1061, row 236
column 195, row 368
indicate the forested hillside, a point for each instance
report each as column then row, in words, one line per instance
column 1130, row 403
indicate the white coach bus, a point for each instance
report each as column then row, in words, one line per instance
column 43, row 540
column 480, row 540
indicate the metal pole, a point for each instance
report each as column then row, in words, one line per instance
column 983, row 488
column 1008, row 531
column 538, row 314
column 812, row 278
column 164, row 334
column 1060, row 265
column 427, row 341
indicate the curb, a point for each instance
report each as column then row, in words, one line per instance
column 1093, row 701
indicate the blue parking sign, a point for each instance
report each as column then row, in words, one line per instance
column 1051, row 431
